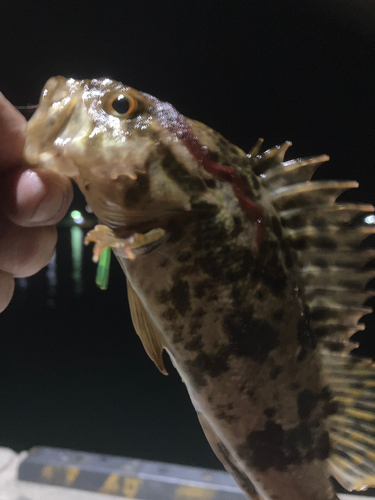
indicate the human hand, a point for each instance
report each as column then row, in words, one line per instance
column 31, row 202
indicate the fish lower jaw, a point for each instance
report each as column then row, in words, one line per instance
column 49, row 160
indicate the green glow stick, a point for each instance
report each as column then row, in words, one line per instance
column 102, row 273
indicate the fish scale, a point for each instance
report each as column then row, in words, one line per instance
column 245, row 271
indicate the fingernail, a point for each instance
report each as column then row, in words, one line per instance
column 50, row 205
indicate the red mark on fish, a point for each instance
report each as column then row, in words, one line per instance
column 174, row 121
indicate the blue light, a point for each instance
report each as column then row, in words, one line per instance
column 370, row 219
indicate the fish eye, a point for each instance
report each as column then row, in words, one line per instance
column 122, row 105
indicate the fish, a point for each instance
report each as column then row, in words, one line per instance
column 248, row 273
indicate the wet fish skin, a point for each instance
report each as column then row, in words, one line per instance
column 228, row 307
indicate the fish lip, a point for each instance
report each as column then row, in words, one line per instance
column 46, row 152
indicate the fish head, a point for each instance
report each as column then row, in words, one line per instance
column 125, row 149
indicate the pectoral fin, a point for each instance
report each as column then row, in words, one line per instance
column 227, row 459
column 146, row 330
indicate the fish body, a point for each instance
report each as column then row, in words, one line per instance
column 223, row 254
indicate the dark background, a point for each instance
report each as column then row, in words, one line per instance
column 75, row 375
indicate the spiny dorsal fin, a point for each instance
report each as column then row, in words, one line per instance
column 270, row 158
column 310, row 194
column 292, row 172
column 146, row 330
column 254, row 151
column 328, row 249
column 352, row 426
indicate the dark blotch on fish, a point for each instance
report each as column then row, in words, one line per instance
column 236, row 293
column 182, row 271
column 195, row 325
column 201, row 287
column 270, row 412
column 227, row 262
column 278, row 315
column 180, row 296
column 274, row 447
column 250, row 337
column 237, row 222
column 230, row 419
column 326, row 394
column 178, row 333
column 323, row 446
column 240, row 270
column 267, row 448
column 210, row 183
column 163, row 296
column 275, row 372
column 194, row 345
column 199, row 313
column 269, row 269
column 214, row 156
column 305, row 335
column 331, row 408
column 307, row 402
column 203, row 364
column 170, row 314
column 176, row 231
column 184, row 256
column 179, row 174
column 259, row 295
column 251, row 395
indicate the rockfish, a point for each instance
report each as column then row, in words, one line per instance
column 245, row 271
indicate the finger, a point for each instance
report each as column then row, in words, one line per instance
column 6, row 289
column 12, row 134
column 25, row 250
column 36, row 197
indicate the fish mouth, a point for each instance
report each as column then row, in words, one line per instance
column 58, row 101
